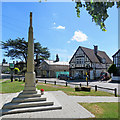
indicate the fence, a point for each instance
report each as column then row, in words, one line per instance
column 67, row 83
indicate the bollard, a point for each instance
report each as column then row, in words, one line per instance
column 54, row 82
column 95, row 88
column 66, row 83
column 87, row 82
column 80, row 84
column 24, row 80
column 45, row 81
column 115, row 92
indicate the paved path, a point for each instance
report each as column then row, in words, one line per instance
column 3, row 80
column 94, row 99
column 70, row 108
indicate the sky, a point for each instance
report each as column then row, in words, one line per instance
column 56, row 26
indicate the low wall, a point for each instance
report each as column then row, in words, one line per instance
column 116, row 78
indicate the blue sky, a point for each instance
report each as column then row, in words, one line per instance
column 57, row 27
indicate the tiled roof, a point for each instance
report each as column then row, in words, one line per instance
column 93, row 57
column 116, row 53
column 5, row 65
column 51, row 62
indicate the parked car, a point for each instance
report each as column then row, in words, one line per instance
column 7, row 72
column 104, row 76
column 63, row 77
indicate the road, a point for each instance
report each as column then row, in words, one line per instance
column 7, row 76
column 100, row 84
column 93, row 83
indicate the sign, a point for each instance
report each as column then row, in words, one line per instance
column 11, row 65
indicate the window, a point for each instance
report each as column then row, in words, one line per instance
column 80, row 61
column 104, row 60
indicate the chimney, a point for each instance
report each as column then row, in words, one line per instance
column 13, row 62
column 95, row 49
column 57, row 58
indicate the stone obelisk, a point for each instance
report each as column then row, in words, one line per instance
column 30, row 74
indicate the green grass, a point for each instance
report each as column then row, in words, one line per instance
column 15, row 86
column 71, row 91
column 1, row 79
column 11, row 87
column 102, row 110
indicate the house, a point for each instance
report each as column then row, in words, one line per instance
column 4, row 67
column 50, row 68
column 92, row 61
column 116, row 60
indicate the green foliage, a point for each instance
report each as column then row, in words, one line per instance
column 16, row 70
column 6, row 70
column 18, row 49
column 112, row 69
column 16, row 79
column 98, row 11
column 21, row 65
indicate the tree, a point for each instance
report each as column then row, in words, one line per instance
column 18, row 49
column 16, row 70
column 112, row 69
column 98, row 11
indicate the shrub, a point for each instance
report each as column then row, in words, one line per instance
column 112, row 69
column 16, row 70
column 16, row 79
column 36, row 81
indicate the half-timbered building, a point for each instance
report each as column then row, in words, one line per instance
column 116, row 60
column 88, row 60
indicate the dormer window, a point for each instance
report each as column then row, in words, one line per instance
column 103, row 60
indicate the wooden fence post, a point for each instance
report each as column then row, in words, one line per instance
column 95, row 88
column 115, row 92
column 66, row 83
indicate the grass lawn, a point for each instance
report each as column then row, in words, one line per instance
column 102, row 110
column 71, row 91
column 1, row 79
column 13, row 87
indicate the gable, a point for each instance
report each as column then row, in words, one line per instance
column 117, row 53
column 79, row 53
column 101, row 55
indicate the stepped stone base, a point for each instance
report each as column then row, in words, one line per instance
column 31, row 102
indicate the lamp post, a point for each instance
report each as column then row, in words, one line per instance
column 11, row 66
column 87, row 67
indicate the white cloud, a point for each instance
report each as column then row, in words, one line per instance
column 79, row 36
column 68, row 41
column 54, row 23
column 60, row 27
